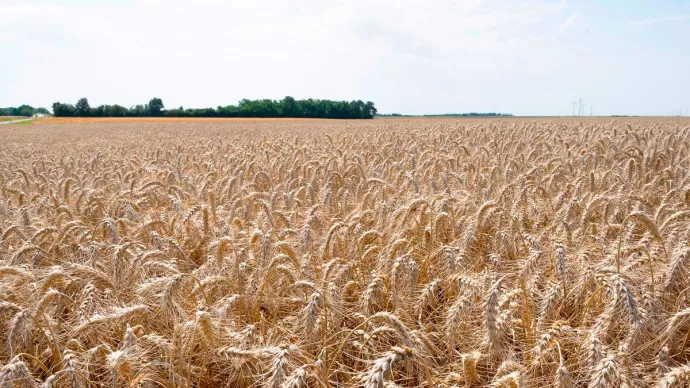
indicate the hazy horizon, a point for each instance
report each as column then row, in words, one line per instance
column 529, row 59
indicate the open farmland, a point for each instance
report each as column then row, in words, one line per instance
column 10, row 118
column 168, row 120
column 378, row 253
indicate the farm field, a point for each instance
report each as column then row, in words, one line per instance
column 10, row 118
column 165, row 120
column 511, row 252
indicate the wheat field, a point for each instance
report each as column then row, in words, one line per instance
column 379, row 253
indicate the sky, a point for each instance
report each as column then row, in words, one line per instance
column 408, row 56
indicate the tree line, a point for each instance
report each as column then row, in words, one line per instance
column 470, row 114
column 287, row 107
column 22, row 110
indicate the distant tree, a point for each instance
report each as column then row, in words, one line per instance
column 369, row 110
column 287, row 107
column 470, row 114
column 25, row 110
column 82, row 108
column 42, row 111
column 115, row 111
column 98, row 111
column 290, row 108
column 156, row 106
column 4, row 112
column 137, row 111
column 63, row 110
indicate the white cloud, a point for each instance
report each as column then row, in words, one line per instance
column 411, row 26
column 568, row 23
column 660, row 20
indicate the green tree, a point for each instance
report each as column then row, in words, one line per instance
column 289, row 107
column 156, row 106
column 115, row 111
column 138, row 111
column 63, row 110
column 82, row 108
column 369, row 110
column 25, row 110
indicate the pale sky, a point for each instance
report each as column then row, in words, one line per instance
column 525, row 58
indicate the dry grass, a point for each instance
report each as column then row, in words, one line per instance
column 11, row 118
column 383, row 253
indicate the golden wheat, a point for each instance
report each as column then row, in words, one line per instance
column 381, row 253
